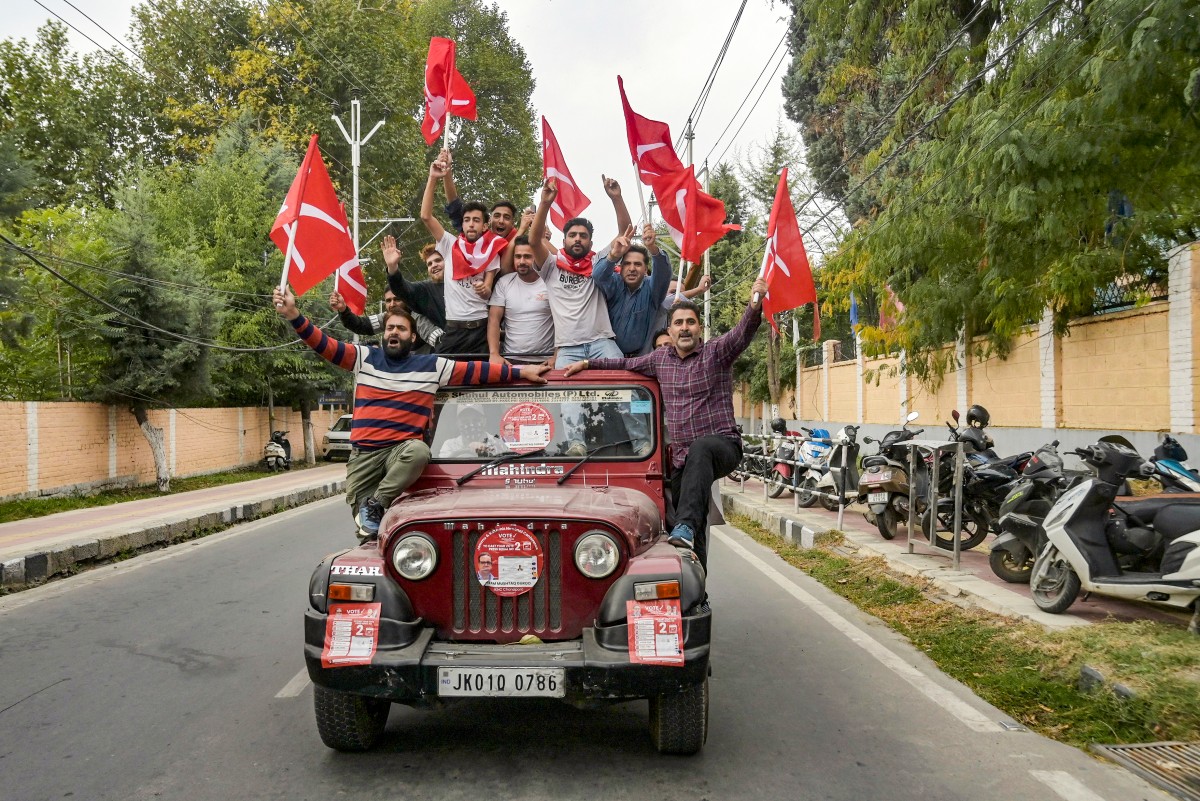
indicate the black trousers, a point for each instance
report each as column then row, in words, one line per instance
column 708, row 459
column 467, row 344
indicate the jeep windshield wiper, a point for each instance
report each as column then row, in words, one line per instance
column 507, row 457
column 563, row 478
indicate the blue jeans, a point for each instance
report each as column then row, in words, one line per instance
column 596, row 349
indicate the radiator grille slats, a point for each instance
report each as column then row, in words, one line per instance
column 478, row 610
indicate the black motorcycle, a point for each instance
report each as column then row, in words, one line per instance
column 1022, row 513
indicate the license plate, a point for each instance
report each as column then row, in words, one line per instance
column 501, row 682
column 877, row 497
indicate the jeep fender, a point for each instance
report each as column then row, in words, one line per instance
column 661, row 562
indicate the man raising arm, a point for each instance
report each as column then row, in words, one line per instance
column 697, row 388
column 393, row 402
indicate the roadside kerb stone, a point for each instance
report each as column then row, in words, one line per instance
column 35, row 568
column 963, row 587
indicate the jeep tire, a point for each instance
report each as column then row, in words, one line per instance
column 679, row 721
column 349, row 722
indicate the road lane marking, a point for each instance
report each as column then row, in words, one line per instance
column 295, row 686
column 1065, row 785
column 59, row 587
column 966, row 714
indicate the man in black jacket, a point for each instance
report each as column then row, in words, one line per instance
column 371, row 324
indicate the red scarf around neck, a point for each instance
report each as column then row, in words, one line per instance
column 580, row 266
column 471, row 258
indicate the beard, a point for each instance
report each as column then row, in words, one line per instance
column 397, row 351
column 577, row 250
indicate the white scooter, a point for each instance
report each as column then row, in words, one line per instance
column 1145, row 549
column 277, row 455
column 845, row 452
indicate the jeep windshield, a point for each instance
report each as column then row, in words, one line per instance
column 478, row 425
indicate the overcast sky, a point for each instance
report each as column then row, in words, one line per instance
column 576, row 49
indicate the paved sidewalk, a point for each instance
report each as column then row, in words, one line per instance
column 973, row 583
column 35, row 549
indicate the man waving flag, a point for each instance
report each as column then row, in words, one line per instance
column 446, row 91
column 785, row 263
column 313, row 233
column 570, row 202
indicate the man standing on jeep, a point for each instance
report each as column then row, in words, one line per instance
column 393, row 402
column 697, row 388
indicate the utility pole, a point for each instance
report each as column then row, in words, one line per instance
column 356, row 140
column 707, row 261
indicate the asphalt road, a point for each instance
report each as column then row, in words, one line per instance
column 174, row 676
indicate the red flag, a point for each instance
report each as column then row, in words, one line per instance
column 695, row 220
column 649, row 143
column 446, row 91
column 315, row 222
column 351, row 283
column 570, row 202
column 785, row 263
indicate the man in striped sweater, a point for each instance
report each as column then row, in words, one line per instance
column 393, row 402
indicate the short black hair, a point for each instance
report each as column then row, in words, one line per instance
column 475, row 205
column 522, row 240
column 638, row 249
column 662, row 332
column 508, row 204
column 406, row 314
column 574, row 221
column 685, row 305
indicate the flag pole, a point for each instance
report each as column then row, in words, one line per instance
column 637, row 175
column 287, row 257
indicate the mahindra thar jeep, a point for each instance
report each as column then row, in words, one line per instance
column 529, row 560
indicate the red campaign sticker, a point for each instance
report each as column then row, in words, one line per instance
column 526, row 427
column 351, row 635
column 508, row 560
column 655, row 632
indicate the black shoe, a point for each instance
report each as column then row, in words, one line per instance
column 369, row 515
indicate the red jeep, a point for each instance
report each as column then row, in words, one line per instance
column 529, row 560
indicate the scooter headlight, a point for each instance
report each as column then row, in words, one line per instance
column 597, row 555
column 415, row 556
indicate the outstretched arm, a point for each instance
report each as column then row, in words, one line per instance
column 729, row 345
column 537, row 229
column 342, row 354
column 437, row 171
column 613, row 190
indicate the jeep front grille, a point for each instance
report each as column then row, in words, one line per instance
column 478, row 610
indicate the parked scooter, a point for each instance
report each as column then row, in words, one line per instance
column 1136, row 548
column 1170, row 463
column 844, row 453
column 1021, row 515
column 779, row 475
column 814, row 463
column 884, row 485
column 278, row 453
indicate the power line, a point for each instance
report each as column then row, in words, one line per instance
column 750, row 91
column 702, row 99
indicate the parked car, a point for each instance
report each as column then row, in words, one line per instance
column 337, row 439
column 529, row 560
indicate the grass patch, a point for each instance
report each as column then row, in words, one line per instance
column 40, row 507
column 1030, row 673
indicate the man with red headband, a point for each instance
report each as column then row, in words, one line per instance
column 472, row 261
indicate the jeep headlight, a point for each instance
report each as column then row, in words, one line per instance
column 597, row 554
column 415, row 556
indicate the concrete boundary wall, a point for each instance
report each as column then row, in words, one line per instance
column 1130, row 371
column 63, row 447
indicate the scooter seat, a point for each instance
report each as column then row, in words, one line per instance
column 1146, row 509
column 1176, row 520
column 874, row 460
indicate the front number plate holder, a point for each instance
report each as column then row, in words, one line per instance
column 877, row 497
column 501, row 682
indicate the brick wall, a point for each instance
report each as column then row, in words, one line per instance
column 881, row 391
column 88, row 445
column 1010, row 387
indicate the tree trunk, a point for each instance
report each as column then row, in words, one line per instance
column 154, row 436
column 310, row 448
column 773, row 370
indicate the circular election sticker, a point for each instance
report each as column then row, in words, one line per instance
column 525, row 427
column 508, row 560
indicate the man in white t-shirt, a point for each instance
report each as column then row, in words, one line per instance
column 521, row 303
column 472, row 261
column 581, row 324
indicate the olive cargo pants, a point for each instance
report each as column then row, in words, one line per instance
column 384, row 473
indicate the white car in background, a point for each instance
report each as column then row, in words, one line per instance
column 337, row 439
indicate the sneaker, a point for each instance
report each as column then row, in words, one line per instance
column 682, row 536
column 369, row 515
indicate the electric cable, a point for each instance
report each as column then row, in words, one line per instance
column 702, row 98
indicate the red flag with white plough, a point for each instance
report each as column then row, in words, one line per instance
column 785, row 262
column 447, row 93
column 314, row 234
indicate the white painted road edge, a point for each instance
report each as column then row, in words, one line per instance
column 295, row 686
column 964, row 712
column 1065, row 785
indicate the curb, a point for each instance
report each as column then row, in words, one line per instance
column 959, row 586
column 35, row 568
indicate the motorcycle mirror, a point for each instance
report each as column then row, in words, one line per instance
column 912, row 416
column 954, row 414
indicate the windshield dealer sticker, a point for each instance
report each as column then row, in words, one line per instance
column 508, row 560
column 527, row 427
column 351, row 635
column 655, row 632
